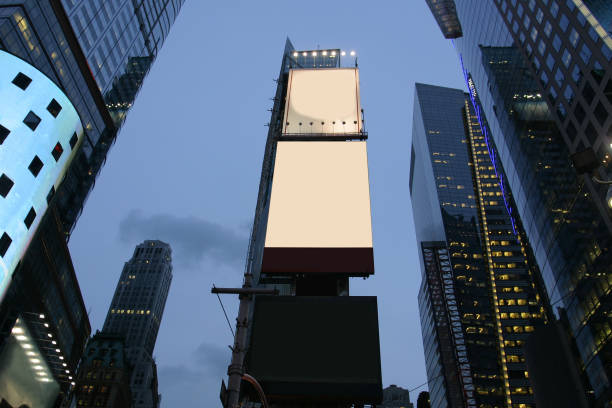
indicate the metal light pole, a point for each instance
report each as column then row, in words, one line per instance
column 236, row 368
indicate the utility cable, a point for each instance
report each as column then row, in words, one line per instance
column 226, row 318
column 425, row 383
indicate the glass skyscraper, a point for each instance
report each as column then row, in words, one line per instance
column 97, row 53
column 480, row 295
column 136, row 312
column 540, row 71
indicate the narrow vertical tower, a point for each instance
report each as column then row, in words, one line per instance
column 315, row 345
column 136, row 312
column 481, row 294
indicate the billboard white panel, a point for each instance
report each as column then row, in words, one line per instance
column 320, row 196
column 323, row 101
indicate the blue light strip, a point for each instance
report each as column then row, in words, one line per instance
column 485, row 132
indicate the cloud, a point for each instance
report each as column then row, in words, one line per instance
column 182, row 384
column 192, row 239
column 178, row 374
column 213, row 358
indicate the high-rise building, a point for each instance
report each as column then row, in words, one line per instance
column 75, row 69
column 540, row 72
column 104, row 374
column 396, row 397
column 481, row 295
column 136, row 312
column 311, row 233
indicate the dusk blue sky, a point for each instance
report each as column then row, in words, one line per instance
column 185, row 169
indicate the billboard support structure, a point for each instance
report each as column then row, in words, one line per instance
column 236, row 368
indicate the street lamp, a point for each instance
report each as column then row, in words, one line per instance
column 586, row 161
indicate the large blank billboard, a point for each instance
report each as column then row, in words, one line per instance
column 323, row 101
column 319, row 218
column 316, row 349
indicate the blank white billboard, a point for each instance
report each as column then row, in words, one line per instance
column 320, row 196
column 323, row 101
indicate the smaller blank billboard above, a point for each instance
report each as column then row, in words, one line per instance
column 319, row 219
column 323, row 101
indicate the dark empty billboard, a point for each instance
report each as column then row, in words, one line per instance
column 316, row 348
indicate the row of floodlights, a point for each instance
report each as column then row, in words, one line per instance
column 324, row 53
column 35, row 358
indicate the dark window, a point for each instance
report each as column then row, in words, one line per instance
column 5, row 243
column 567, row 58
column 571, row 131
column 22, row 81
column 569, row 94
column 29, row 219
column 557, row 42
column 581, row 19
column 548, row 29
column 579, row 113
column 539, row 15
column 576, row 74
column 563, row 22
column 552, row 95
column 608, row 91
column 559, row 77
column 3, row 133
column 601, row 114
column 554, row 9
column 5, row 185
column 591, row 134
column 31, row 120
column 550, row 62
column 35, row 166
column 536, row 63
column 73, row 140
column 574, row 37
column 51, row 194
column 588, row 93
column 54, row 108
column 562, row 112
column 585, row 53
column 544, row 78
column 57, row 151
column 598, row 72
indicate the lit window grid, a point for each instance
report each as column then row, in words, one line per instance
column 558, row 293
column 22, row 145
column 525, row 324
column 442, row 132
column 491, row 270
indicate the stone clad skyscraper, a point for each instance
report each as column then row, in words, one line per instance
column 136, row 312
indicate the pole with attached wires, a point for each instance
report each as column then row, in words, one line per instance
column 236, row 368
